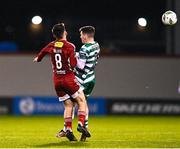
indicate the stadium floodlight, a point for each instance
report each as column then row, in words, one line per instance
column 36, row 20
column 142, row 22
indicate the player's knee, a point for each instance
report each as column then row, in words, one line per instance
column 80, row 101
column 68, row 104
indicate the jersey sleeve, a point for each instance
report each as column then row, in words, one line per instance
column 83, row 54
column 43, row 52
column 72, row 57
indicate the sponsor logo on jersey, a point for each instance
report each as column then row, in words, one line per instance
column 58, row 44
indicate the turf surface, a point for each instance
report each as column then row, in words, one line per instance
column 107, row 132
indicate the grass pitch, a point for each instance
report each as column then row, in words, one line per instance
column 107, row 132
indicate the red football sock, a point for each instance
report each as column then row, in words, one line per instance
column 68, row 123
column 81, row 117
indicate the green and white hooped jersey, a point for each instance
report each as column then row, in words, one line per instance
column 89, row 53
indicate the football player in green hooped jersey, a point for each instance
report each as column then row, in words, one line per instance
column 86, row 62
column 85, row 70
column 87, row 59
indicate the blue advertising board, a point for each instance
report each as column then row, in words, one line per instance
column 37, row 106
column 51, row 106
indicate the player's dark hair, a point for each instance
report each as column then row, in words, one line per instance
column 58, row 30
column 90, row 30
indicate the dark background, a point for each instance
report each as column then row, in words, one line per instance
column 115, row 21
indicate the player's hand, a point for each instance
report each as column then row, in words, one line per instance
column 35, row 59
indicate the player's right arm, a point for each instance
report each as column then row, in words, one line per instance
column 42, row 53
column 81, row 58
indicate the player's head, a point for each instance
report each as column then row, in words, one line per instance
column 87, row 33
column 59, row 30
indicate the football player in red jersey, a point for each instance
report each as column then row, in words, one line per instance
column 63, row 60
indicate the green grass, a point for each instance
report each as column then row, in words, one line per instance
column 107, row 132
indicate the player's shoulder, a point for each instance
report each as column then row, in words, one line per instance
column 83, row 48
column 97, row 43
column 90, row 45
column 50, row 44
column 87, row 47
column 69, row 44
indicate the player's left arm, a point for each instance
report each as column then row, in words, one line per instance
column 72, row 57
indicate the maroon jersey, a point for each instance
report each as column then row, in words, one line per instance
column 62, row 55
